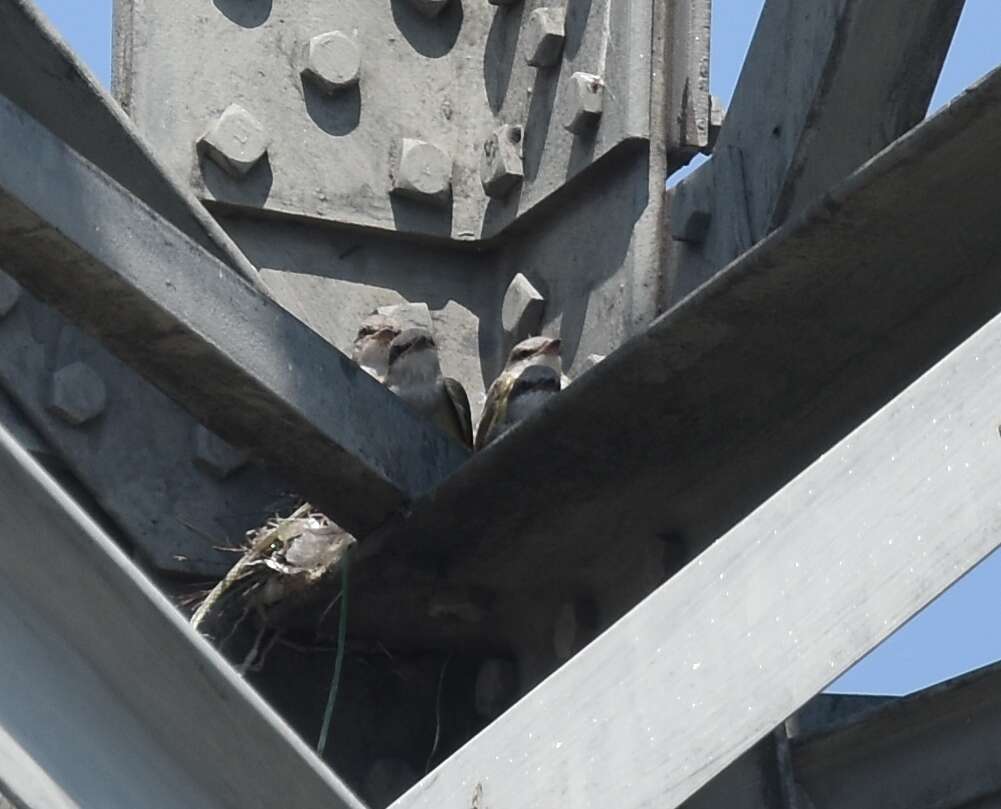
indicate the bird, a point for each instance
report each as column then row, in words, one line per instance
column 371, row 345
column 415, row 376
column 533, row 373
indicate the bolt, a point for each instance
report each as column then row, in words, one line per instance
column 544, row 35
column 588, row 92
column 496, row 682
column 235, row 141
column 423, row 172
column 10, row 294
column 77, row 394
column 429, row 8
column 333, row 61
column 521, row 312
column 692, row 226
column 501, row 167
column 691, row 212
column 214, row 456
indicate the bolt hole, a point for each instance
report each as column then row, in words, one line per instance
column 514, row 135
column 776, row 131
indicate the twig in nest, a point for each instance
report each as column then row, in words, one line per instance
column 242, row 668
column 262, row 659
column 342, row 637
column 257, row 550
column 437, row 715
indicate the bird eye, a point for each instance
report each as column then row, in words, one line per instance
column 366, row 331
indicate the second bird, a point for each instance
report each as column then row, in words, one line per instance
column 415, row 376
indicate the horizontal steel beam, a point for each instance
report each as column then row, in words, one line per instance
column 238, row 362
column 772, row 612
column 109, row 699
column 658, row 450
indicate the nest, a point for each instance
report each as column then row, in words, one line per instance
column 284, row 561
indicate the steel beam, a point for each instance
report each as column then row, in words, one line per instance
column 109, row 698
column 676, row 436
column 776, row 609
column 238, row 362
column 822, row 90
column 43, row 76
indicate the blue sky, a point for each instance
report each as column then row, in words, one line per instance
column 959, row 631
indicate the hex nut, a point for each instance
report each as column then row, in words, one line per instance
column 587, row 98
column 522, row 310
column 429, row 8
column 214, row 456
column 544, row 35
column 422, row 172
column 333, row 62
column 235, row 141
column 501, row 166
column 77, row 394
column 10, row 294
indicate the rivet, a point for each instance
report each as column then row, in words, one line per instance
column 235, row 141
column 501, row 167
column 422, row 171
column 333, row 61
column 544, row 35
column 77, row 394
column 216, row 457
column 587, row 92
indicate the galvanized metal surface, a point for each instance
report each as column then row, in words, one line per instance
column 447, row 81
column 246, row 368
column 109, row 698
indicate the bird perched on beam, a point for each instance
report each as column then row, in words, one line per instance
column 533, row 373
column 371, row 346
column 415, row 376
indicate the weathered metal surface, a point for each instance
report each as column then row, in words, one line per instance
column 449, row 81
column 109, row 699
column 935, row 748
column 690, row 425
column 820, row 93
column 238, row 362
column 140, row 458
column 42, row 76
column 689, row 112
column 764, row 618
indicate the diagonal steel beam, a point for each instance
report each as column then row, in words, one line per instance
column 822, row 90
column 43, row 76
column 241, row 364
column 772, row 612
column 109, row 698
column 679, row 434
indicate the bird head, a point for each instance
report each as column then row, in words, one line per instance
column 413, row 357
column 544, row 351
column 371, row 345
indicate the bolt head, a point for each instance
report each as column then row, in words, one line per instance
column 544, row 35
column 429, row 8
column 522, row 310
column 333, row 62
column 235, row 141
column 423, row 172
column 10, row 294
column 587, row 93
column 77, row 394
column 214, row 456
column 501, row 167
